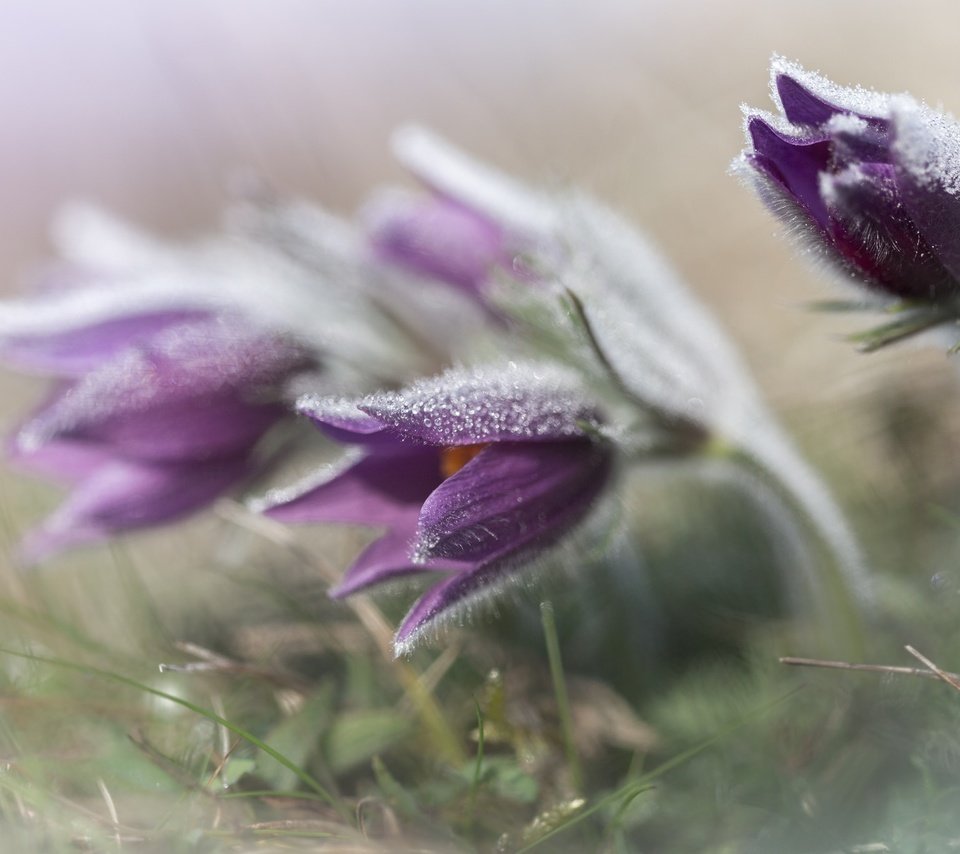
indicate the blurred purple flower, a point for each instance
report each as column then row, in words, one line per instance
column 163, row 420
column 472, row 225
column 472, row 473
column 436, row 237
column 872, row 178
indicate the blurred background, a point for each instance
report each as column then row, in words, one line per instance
column 151, row 109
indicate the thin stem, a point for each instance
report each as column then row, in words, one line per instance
column 477, row 770
column 929, row 671
column 950, row 678
column 560, row 688
column 795, row 661
column 690, row 432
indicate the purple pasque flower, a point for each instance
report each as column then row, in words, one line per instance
column 436, row 237
column 472, row 225
column 473, row 474
column 164, row 385
column 873, row 179
column 158, row 428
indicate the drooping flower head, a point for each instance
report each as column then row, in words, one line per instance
column 871, row 180
column 159, row 427
column 473, row 474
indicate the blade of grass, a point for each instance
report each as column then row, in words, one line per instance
column 560, row 689
column 257, row 794
column 246, row 735
column 477, row 770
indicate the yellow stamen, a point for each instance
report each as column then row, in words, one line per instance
column 455, row 458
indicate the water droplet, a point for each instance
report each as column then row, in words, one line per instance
column 939, row 581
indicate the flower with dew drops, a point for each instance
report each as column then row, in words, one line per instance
column 871, row 182
column 473, row 474
column 157, row 430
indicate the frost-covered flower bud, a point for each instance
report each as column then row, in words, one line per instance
column 870, row 181
column 473, row 473
column 436, row 237
column 159, row 428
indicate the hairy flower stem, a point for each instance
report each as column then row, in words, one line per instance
column 684, row 433
column 563, row 699
column 839, row 588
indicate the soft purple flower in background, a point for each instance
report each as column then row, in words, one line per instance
column 436, row 237
column 469, row 227
column 870, row 181
column 159, row 428
column 473, row 474
column 163, row 385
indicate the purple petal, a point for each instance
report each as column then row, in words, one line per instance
column 381, row 489
column 519, row 403
column 448, row 598
column 61, row 460
column 926, row 153
column 435, row 237
column 123, row 495
column 440, row 601
column 795, row 164
column 73, row 352
column 874, row 233
column 200, row 429
column 454, row 175
column 510, row 499
column 195, row 390
column 802, row 106
column 808, row 98
column 387, row 559
column 343, row 422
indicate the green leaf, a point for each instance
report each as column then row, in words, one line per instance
column 911, row 323
column 357, row 737
column 235, row 768
column 297, row 737
column 393, row 791
column 838, row 305
column 502, row 776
